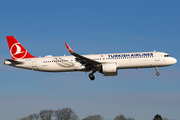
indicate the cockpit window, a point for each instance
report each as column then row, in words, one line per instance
column 167, row 56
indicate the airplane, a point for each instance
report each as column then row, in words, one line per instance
column 107, row 64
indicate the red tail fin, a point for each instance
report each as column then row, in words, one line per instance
column 16, row 49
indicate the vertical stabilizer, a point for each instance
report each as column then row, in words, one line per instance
column 16, row 49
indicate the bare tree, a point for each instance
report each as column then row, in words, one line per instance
column 65, row 114
column 120, row 117
column 36, row 116
column 46, row 114
column 93, row 117
column 31, row 117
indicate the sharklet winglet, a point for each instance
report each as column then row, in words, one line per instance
column 69, row 49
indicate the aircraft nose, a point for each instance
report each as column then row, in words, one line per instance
column 174, row 61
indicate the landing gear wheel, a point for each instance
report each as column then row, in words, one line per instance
column 91, row 76
column 157, row 73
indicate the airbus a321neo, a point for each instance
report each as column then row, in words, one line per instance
column 107, row 64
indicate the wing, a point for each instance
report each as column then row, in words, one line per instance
column 87, row 62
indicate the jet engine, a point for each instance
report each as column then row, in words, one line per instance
column 109, row 69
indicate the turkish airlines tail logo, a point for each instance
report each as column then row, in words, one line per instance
column 16, row 49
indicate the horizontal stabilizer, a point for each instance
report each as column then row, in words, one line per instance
column 14, row 61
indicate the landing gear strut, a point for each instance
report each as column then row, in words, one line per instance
column 157, row 73
column 91, row 76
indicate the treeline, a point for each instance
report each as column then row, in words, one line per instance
column 69, row 114
column 66, row 114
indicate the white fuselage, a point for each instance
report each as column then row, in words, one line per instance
column 123, row 61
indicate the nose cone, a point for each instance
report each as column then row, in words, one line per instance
column 174, row 61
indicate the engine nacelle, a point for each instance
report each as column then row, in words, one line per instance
column 109, row 69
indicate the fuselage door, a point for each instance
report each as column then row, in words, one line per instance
column 34, row 63
column 157, row 57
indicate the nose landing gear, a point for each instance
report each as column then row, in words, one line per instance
column 157, row 73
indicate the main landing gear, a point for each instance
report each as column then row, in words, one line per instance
column 157, row 73
column 91, row 75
